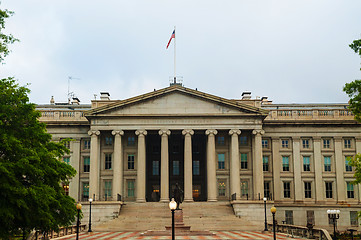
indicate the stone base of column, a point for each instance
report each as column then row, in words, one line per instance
column 212, row 200
column 188, row 200
column 140, row 200
column 164, row 200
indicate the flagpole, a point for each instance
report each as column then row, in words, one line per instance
column 175, row 77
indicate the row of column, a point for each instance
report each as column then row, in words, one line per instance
column 94, row 177
column 340, row 189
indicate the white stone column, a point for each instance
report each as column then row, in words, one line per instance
column 117, row 164
column 258, row 184
column 164, row 170
column 211, row 166
column 94, row 174
column 318, row 160
column 340, row 166
column 141, row 165
column 297, row 165
column 276, row 163
column 75, row 162
column 188, row 170
column 234, row 163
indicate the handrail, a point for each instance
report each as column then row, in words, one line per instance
column 63, row 231
column 300, row 231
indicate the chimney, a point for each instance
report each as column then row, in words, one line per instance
column 52, row 101
column 104, row 96
column 246, row 95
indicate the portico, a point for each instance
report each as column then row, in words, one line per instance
column 176, row 145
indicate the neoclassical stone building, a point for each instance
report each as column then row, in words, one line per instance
column 216, row 149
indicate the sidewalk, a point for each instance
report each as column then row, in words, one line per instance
column 137, row 235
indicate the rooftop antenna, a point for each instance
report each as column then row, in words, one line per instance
column 70, row 94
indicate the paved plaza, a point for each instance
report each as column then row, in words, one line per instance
column 138, row 235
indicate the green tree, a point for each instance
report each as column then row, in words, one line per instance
column 353, row 89
column 31, row 196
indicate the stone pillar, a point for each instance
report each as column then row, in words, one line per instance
column 297, row 166
column 94, row 174
column 276, row 163
column 188, row 171
column 340, row 166
column 211, row 166
column 318, row 160
column 141, row 165
column 75, row 162
column 117, row 164
column 164, row 171
column 234, row 163
column 358, row 151
column 258, row 183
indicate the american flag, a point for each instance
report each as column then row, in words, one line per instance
column 173, row 36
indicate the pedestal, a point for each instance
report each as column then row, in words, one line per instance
column 178, row 223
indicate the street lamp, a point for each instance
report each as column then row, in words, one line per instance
column 78, row 208
column 90, row 215
column 273, row 211
column 265, row 215
column 173, row 206
column 334, row 215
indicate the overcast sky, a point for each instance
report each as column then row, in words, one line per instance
column 293, row 51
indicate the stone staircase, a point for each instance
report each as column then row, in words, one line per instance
column 199, row 215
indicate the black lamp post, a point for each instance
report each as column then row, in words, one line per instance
column 173, row 206
column 334, row 215
column 90, row 215
column 265, row 215
column 78, row 208
column 273, row 211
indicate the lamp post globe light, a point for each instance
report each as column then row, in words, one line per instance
column 333, row 214
column 78, row 208
column 265, row 214
column 273, row 211
column 90, row 215
column 172, row 207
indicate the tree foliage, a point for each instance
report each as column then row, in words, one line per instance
column 5, row 40
column 31, row 196
column 353, row 89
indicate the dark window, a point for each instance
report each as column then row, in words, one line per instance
column 311, row 217
column 289, row 217
column 131, row 141
column 285, row 143
column 347, row 143
column 196, row 169
column 326, row 143
column 305, row 143
column 348, row 167
column 328, row 186
column 221, row 161
column 221, row 188
column 108, row 141
column 220, row 140
column 308, row 193
column 130, row 161
column 107, row 189
column 327, row 161
column 86, row 144
column 175, row 167
column 350, row 190
column 285, row 164
column 155, row 168
column 66, row 160
column 85, row 191
column 265, row 163
column 244, row 162
column 287, row 189
column 243, row 140
column 306, row 164
column 354, row 218
column 86, row 164
column 108, row 161
column 265, row 143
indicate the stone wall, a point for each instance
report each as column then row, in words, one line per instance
column 101, row 211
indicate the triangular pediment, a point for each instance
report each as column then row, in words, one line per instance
column 176, row 100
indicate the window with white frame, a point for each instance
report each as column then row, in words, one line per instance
column 328, row 188
column 285, row 164
column 348, row 167
column 327, row 163
column 308, row 192
column 287, row 189
column 285, row 143
column 350, row 190
column 306, row 164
